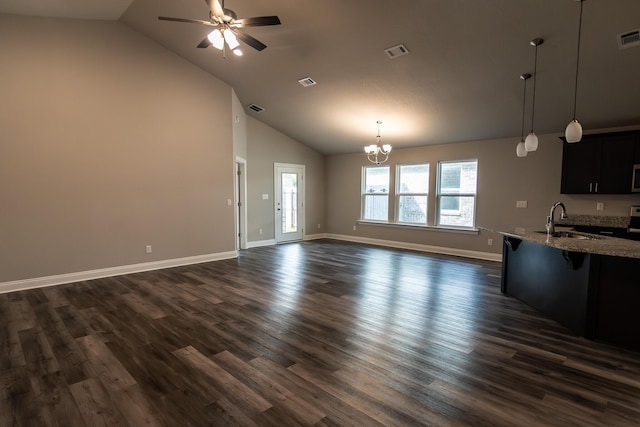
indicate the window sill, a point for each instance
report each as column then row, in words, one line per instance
column 446, row 229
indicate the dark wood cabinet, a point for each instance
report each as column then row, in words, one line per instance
column 596, row 296
column 599, row 164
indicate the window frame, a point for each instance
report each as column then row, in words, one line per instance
column 399, row 193
column 364, row 194
column 440, row 194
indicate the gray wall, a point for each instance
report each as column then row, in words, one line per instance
column 502, row 180
column 267, row 146
column 108, row 143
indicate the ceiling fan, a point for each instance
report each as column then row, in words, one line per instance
column 227, row 27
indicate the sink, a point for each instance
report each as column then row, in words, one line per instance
column 571, row 235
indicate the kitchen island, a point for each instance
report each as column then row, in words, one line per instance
column 588, row 283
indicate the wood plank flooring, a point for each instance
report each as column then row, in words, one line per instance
column 320, row 333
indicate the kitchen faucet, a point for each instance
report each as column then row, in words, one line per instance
column 550, row 226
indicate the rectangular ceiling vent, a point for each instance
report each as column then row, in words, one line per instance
column 307, row 81
column 255, row 108
column 396, row 51
column 629, row 39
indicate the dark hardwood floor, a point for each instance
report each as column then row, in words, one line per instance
column 320, row 333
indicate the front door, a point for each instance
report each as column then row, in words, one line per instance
column 289, row 202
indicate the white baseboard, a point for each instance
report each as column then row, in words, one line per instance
column 315, row 236
column 487, row 256
column 59, row 279
column 259, row 243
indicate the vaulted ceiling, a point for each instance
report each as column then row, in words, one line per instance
column 460, row 81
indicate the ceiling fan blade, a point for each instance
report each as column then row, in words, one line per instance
column 251, row 41
column 258, row 21
column 204, row 43
column 189, row 21
column 216, row 8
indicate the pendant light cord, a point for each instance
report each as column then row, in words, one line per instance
column 535, row 77
column 575, row 91
column 524, row 101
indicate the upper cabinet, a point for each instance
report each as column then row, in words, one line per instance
column 601, row 164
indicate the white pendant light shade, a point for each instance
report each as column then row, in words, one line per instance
column 531, row 143
column 573, row 133
column 520, row 150
column 231, row 39
column 216, row 39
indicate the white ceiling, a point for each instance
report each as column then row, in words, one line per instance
column 78, row 9
column 459, row 83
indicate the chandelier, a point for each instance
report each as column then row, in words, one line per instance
column 377, row 153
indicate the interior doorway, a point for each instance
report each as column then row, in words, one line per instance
column 289, row 202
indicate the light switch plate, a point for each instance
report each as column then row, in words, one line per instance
column 599, row 206
column 521, row 204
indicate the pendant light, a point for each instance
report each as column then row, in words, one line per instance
column 378, row 149
column 531, row 143
column 573, row 132
column 521, row 151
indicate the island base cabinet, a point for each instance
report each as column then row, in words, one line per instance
column 595, row 296
column 552, row 281
column 618, row 301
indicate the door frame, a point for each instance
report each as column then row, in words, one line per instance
column 301, row 197
column 240, row 211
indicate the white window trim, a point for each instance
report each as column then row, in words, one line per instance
column 439, row 195
column 364, row 194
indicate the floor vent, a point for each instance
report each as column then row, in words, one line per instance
column 307, row 81
column 255, row 108
column 396, row 51
column 629, row 39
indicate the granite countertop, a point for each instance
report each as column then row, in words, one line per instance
column 601, row 245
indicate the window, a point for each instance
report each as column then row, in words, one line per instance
column 457, row 186
column 375, row 193
column 412, row 192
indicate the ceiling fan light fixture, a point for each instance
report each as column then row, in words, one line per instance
column 215, row 37
column 231, row 39
column 237, row 52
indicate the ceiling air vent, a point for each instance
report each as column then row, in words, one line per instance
column 307, row 81
column 255, row 108
column 396, row 51
column 629, row 39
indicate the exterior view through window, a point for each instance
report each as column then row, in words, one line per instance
column 457, row 187
column 375, row 193
column 289, row 202
column 412, row 193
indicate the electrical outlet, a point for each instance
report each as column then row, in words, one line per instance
column 354, row 228
column 260, row 231
column 318, row 226
column 599, row 206
column 148, row 249
column 489, row 242
column 521, row 204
